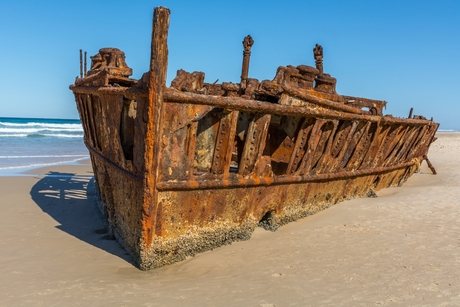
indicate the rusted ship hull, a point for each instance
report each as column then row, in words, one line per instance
column 188, row 168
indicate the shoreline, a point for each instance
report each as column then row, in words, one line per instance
column 400, row 248
column 40, row 169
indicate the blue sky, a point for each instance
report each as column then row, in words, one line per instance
column 403, row 52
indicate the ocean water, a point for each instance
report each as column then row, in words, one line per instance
column 35, row 142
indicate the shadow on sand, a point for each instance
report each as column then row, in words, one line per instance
column 71, row 201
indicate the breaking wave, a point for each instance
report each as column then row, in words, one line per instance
column 42, row 125
column 36, row 129
column 34, row 142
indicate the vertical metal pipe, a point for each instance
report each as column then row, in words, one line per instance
column 247, row 44
column 410, row 113
column 85, row 64
column 318, row 54
column 81, row 64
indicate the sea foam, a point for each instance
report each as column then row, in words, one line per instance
column 38, row 142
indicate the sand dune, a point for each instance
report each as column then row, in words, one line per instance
column 400, row 249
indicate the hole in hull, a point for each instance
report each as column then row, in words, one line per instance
column 269, row 221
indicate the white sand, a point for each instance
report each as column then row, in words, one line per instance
column 400, row 249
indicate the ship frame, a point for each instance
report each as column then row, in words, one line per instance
column 184, row 169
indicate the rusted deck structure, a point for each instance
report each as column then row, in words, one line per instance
column 187, row 168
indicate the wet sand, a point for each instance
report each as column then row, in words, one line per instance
column 400, row 249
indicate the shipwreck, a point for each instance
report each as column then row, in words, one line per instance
column 190, row 167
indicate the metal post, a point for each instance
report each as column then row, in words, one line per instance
column 247, row 44
column 157, row 86
column 85, row 64
column 81, row 64
column 318, row 54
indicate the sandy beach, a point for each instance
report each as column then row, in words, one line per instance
column 400, row 249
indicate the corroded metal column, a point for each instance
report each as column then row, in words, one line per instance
column 318, row 53
column 85, row 65
column 157, row 85
column 247, row 44
column 81, row 64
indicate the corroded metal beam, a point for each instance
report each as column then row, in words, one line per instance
column 263, row 181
